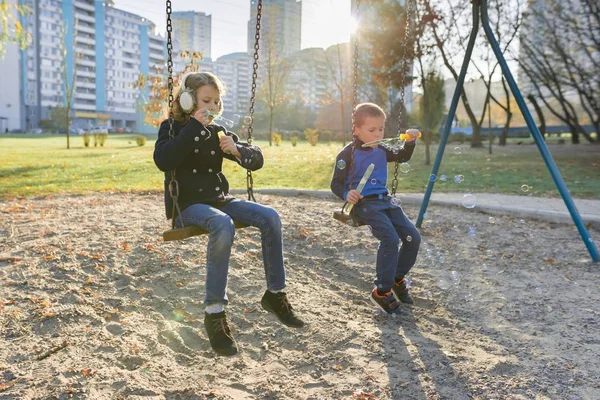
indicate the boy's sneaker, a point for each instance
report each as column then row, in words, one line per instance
column 401, row 292
column 219, row 334
column 278, row 304
column 386, row 302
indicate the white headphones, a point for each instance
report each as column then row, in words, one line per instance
column 187, row 99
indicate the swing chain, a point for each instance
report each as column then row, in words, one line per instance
column 173, row 184
column 354, row 90
column 249, row 179
column 404, row 71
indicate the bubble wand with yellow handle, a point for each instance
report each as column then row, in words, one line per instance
column 402, row 137
column 360, row 187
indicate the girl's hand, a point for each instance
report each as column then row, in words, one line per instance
column 228, row 146
column 353, row 196
column 201, row 116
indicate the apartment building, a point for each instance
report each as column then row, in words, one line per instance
column 91, row 52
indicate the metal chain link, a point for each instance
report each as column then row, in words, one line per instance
column 354, row 89
column 404, row 71
column 173, row 184
column 249, row 180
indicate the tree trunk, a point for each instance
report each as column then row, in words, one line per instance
column 427, row 145
column 504, row 134
column 540, row 115
column 271, row 126
column 574, row 134
column 68, row 135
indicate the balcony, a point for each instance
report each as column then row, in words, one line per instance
column 85, row 40
column 85, row 6
column 86, row 29
column 85, row 17
column 85, row 96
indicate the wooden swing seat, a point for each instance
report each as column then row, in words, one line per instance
column 347, row 219
column 189, row 231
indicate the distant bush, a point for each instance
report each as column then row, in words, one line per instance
column 326, row 136
column 100, row 139
column 140, row 140
column 294, row 140
column 86, row 139
column 312, row 136
column 276, row 138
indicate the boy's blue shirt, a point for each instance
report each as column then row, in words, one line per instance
column 363, row 157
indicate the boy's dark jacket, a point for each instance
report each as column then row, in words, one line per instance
column 194, row 153
column 343, row 165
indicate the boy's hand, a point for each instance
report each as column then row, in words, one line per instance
column 228, row 145
column 411, row 135
column 353, row 196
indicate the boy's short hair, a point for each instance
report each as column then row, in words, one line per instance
column 364, row 110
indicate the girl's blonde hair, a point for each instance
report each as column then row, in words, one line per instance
column 194, row 81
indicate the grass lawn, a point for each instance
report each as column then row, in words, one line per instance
column 34, row 165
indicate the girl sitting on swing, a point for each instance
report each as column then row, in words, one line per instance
column 196, row 151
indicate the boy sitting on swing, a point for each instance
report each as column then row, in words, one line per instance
column 375, row 207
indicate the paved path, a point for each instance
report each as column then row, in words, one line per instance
column 540, row 208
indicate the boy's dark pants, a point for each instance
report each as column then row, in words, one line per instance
column 390, row 225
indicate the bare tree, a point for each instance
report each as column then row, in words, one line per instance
column 69, row 78
column 338, row 73
column 450, row 26
column 561, row 59
column 506, row 19
column 273, row 69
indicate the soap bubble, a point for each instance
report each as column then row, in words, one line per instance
column 405, row 168
column 443, row 178
column 457, row 150
column 525, row 188
column 469, row 201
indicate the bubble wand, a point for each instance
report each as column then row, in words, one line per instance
column 403, row 137
column 360, row 187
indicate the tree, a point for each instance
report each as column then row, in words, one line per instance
column 59, row 117
column 431, row 108
column 450, row 29
column 506, row 19
column 156, row 86
column 274, row 71
column 12, row 30
column 561, row 59
column 391, row 54
column 338, row 59
column 69, row 78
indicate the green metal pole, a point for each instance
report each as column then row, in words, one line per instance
column 537, row 136
column 451, row 112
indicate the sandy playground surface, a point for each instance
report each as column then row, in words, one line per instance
column 93, row 305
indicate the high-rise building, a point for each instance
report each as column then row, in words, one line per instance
column 10, row 110
column 91, row 50
column 281, row 22
column 192, row 32
column 235, row 70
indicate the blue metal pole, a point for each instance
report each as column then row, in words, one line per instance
column 537, row 136
column 451, row 112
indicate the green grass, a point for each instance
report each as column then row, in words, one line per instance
column 35, row 165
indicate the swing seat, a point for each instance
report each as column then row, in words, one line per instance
column 189, row 231
column 347, row 219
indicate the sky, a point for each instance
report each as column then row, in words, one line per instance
column 324, row 22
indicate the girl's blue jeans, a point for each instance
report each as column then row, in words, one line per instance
column 390, row 226
column 219, row 222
